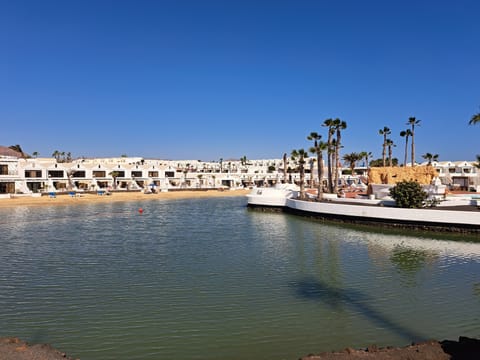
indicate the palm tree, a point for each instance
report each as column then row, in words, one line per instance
column 352, row 159
column 390, row 145
column 114, row 175
column 339, row 126
column 243, row 160
column 70, row 174
column 56, row 155
column 412, row 122
column 365, row 156
column 301, row 154
column 406, row 134
column 331, row 131
column 385, row 132
column 318, row 148
column 285, row 168
column 475, row 119
column 477, row 164
column 430, row 157
column 35, row 154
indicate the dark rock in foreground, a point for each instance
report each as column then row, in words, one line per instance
column 464, row 349
column 16, row 349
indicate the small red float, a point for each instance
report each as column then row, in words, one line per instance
column 140, row 211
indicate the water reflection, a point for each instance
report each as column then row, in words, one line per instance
column 429, row 247
column 476, row 290
column 189, row 279
column 409, row 262
column 355, row 300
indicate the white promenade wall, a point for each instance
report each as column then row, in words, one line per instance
column 390, row 214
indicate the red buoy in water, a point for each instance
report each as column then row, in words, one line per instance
column 140, row 211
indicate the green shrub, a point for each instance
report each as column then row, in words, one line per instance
column 408, row 194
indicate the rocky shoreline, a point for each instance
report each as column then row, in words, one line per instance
column 16, row 349
column 463, row 349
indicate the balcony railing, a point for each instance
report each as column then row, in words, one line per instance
column 10, row 173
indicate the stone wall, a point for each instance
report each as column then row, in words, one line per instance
column 392, row 175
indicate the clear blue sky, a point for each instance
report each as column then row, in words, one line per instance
column 223, row 79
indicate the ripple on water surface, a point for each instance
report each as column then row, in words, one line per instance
column 207, row 278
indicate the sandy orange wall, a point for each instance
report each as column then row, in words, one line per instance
column 392, row 175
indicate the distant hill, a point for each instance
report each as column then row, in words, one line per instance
column 6, row 151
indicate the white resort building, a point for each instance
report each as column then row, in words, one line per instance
column 45, row 175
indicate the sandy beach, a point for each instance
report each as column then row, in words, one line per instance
column 87, row 198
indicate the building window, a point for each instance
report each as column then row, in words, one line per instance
column 3, row 169
column 79, row 174
column 137, row 173
column 33, row 173
column 7, row 188
column 99, row 174
column 153, row 174
column 55, row 173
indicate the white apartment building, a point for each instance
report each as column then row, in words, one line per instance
column 43, row 175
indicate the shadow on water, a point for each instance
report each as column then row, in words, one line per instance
column 316, row 290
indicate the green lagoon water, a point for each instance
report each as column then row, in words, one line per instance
column 210, row 279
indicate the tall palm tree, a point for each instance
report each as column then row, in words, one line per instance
column 35, row 154
column 334, row 165
column 318, row 148
column 412, row 121
column 329, row 123
column 475, row 119
column 406, row 134
column 315, row 137
column 352, row 159
column 390, row 145
column 300, row 155
column 430, row 157
column 285, row 168
column 339, row 126
column 385, row 132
